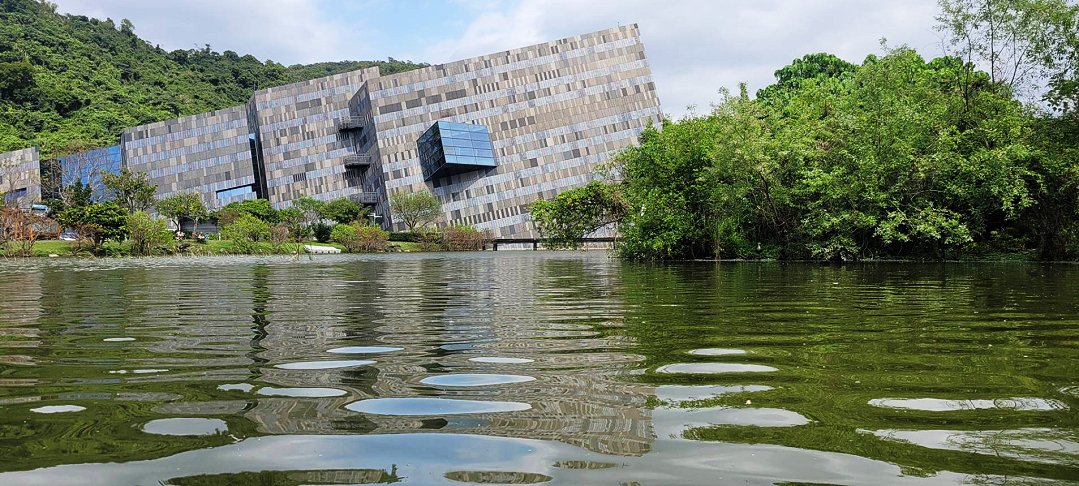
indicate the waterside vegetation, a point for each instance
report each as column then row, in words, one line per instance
column 973, row 155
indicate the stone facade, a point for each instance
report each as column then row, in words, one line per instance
column 20, row 178
column 208, row 153
column 303, row 145
column 555, row 114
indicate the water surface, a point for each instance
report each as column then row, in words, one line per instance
column 535, row 367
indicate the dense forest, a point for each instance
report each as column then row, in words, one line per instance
column 972, row 155
column 69, row 83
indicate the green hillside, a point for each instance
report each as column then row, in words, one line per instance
column 68, row 82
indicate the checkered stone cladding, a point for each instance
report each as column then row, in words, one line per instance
column 555, row 113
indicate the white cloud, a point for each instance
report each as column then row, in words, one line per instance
column 697, row 47
column 287, row 31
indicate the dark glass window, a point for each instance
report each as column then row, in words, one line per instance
column 449, row 148
column 89, row 168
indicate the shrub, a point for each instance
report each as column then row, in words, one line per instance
column 19, row 231
column 146, row 233
column 463, row 238
column 279, row 235
column 357, row 238
column 245, row 233
column 95, row 223
column 405, row 236
column 321, row 231
column 259, row 208
column 341, row 211
column 373, row 238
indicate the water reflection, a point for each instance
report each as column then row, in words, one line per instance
column 185, row 426
column 534, row 367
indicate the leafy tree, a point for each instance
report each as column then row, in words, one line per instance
column 565, row 220
column 96, row 222
column 293, row 220
column 415, row 209
column 182, row 206
column 132, row 191
column 146, row 233
column 310, row 208
column 322, row 232
column 342, row 211
column 246, row 232
column 259, row 208
column 1022, row 43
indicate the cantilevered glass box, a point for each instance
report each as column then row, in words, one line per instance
column 449, row 148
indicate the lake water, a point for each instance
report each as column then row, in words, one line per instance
column 535, row 367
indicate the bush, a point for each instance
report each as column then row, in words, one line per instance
column 146, row 233
column 405, row 236
column 95, row 223
column 259, row 208
column 279, row 235
column 357, row 238
column 321, row 231
column 245, row 233
column 463, row 238
column 19, row 231
column 342, row 211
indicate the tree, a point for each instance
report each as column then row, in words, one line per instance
column 292, row 219
column 182, row 206
column 342, row 211
column 415, row 209
column 246, row 232
column 259, row 208
column 95, row 223
column 565, row 220
column 146, row 233
column 310, row 208
column 132, row 191
column 1025, row 44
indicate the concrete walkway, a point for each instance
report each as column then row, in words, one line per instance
column 321, row 249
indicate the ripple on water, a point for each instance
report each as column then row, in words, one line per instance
column 432, row 406
column 268, row 391
column 137, row 372
column 716, row 352
column 364, row 349
column 324, row 365
column 500, row 360
column 673, row 422
column 678, row 393
column 185, row 426
column 1023, row 404
column 497, row 477
column 709, row 368
column 474, row 379
column 1046, row 445
column 118, row 339
column 457, row 346
column 244, row 387
column 58, row 409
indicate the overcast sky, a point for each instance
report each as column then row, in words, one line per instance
column 695, row 47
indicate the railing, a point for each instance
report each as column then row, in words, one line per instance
column 365, row 198
column 353, row 122
column 357, row 161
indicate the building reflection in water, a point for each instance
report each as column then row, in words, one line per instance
column 441, row 312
